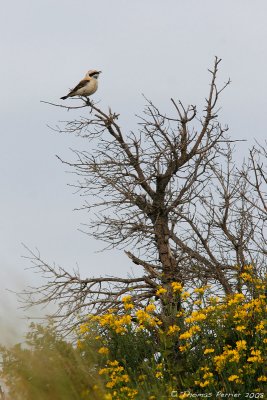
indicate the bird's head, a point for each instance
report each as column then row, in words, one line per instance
column 92, row 73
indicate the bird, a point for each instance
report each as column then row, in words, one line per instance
column 87, row 86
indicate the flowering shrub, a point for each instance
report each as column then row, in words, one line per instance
column 198, row 343
column 211, row 344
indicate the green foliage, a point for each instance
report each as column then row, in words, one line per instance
column 212, row 345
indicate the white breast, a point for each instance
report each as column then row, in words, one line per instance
column 89, row 89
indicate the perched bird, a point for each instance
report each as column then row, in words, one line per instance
column 87, row 86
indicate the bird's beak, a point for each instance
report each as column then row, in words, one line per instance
column 100, row 72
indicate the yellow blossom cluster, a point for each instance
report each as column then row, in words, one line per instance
column 228, row 355
column 228, row 330
column 234, row 355
column 126, row 299
column 119, row 323
column 236, row 298
column 248, row 277
column 146, row 320
column 206, row 378
column 208, row 351
column 172, row 329
column 245, row 311
column 127, row 302
column 196, row 316
column 234, row 378
column 103, row 350
column 161, row 291
column 202, row 289
column 117, row 381
column 176, row 287
column 191, row 331
column 159, row 371
column 84, row 328
column 150, row 308
column 256, row 356
column 241, row 345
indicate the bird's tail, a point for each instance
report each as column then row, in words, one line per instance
column 64, row 97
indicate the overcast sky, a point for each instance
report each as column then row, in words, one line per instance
column 156, row 47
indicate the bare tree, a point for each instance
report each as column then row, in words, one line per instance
column 255, row 175
column 171, row 196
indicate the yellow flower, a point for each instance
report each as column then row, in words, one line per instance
column 260, row 326
column 235, row 357
column 161, row 291
column 159, row 375
column 84, row 328
column 125, row 378
column 183, row 348
column 241, row 345
column 108, row 396
column 219, row 362
column 240, row 314
column 195, row 329
column 128, row 306
column 210, row 309
column 201, row 290
column 150, row 308
column 186, row 335
column 207, row 351
column 103, row 350
column 246, row 277
column 126, row 299
column 257, row 356
column 179, row 314
column 146, row 319
column 240, row 328
column 196, row 316
column 176, row 287
column 237, row 298
column 185, row 295
column 203, row 384
column 262, row 378
column 114, row 363
column 248, row 267
column 103, row 371
column 233, row 378
column 110, row 384
column 213, row 299
column 173, row 329
column 208, row 375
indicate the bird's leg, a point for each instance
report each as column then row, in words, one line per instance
column 88, row 102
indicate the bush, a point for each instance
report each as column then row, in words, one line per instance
column 214, row 345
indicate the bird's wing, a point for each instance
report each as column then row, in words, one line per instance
column 79, row 86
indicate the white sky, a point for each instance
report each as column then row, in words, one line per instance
column 159, row 48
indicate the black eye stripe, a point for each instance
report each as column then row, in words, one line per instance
column 93, row 73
